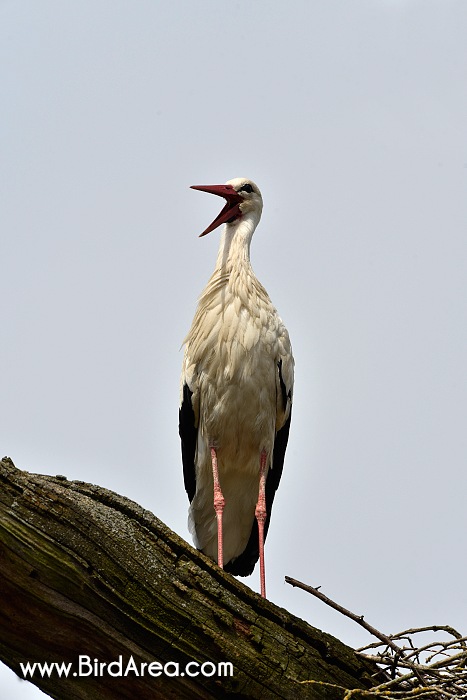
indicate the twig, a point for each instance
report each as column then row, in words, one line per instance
column 432, row 670
column 356, row 618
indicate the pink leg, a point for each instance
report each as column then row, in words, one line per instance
column 219, row 503
column 260, row 513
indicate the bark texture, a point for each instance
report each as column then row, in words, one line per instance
column 86, row 571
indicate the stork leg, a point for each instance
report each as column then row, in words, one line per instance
column 219, row 502
column 260, row 513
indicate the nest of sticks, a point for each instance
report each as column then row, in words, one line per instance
column 424, row 662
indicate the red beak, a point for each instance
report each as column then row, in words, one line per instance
column 230, row 212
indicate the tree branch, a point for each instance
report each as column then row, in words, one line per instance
column 84, row 571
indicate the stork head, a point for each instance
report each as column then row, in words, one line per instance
column 242, row 197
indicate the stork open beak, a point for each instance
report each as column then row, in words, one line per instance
column 230, row 212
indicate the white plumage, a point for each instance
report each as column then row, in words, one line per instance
column 236, row 396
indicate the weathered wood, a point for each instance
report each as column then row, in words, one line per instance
column 84, row 571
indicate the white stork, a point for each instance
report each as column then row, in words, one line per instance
column 236, row 396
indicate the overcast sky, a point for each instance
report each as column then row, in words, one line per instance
column 351, row 116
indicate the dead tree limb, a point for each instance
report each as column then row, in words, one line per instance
column 84, row 571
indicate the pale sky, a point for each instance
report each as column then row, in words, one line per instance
column 351, row 116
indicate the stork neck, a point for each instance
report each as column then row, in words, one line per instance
column 234, row 249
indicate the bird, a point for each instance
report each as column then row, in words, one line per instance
column 235, row 396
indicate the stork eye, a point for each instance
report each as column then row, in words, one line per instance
column 246, row 188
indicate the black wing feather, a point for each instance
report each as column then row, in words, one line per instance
column 188, row 433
